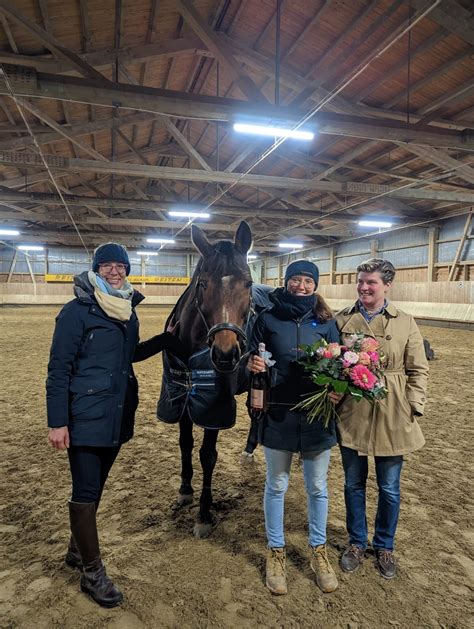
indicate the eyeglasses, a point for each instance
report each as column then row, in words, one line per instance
column 308, row 282
column 107, row 268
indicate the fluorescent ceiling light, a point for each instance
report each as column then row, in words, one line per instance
column 190, row 214
column 375, row 224
column 290, row 245
column 251, row 256
column 9, row 232
column 274, row 132
column 31, row 247
column 146, row 253
column 162, row 241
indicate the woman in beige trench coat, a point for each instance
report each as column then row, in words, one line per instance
column 387, row 430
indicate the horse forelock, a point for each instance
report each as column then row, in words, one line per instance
column 225, row 260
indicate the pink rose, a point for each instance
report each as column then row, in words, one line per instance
column 335, row 349
column 327, row 354
column 374, row 357
column 351, row 357
column 369, row 344
column 364, row 358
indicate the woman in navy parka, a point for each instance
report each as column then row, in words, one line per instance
column 297, row 317
column 92, row 395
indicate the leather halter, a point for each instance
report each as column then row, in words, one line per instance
column 219, row 327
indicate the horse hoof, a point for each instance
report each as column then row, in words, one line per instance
column 202, row 530
column 183, row 500
column 247, row 459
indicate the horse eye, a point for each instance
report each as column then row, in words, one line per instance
column 249, row 284
column 203, row 283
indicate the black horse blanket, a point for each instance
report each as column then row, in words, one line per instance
column 197, row 388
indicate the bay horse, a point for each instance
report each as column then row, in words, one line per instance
column 214, row 315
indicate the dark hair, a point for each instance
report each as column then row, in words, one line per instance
column 384, row 267
column 322, row 311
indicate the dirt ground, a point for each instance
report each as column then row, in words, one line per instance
column 172, row 580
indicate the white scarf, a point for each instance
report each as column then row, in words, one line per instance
column 117, row 304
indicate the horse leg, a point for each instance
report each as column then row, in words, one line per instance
column 208, row 457
column 186, row 444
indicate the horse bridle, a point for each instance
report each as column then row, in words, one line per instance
column 219, row 327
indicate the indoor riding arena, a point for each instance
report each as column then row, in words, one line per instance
column 338, row 130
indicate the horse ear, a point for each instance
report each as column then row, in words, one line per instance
column 200, row 241
column 243, row 237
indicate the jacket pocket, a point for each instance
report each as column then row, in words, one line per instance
column 90, row 397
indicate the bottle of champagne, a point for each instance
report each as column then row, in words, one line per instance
column 259, row 390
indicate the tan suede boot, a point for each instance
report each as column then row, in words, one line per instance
column 276, row 573
column 325, row 575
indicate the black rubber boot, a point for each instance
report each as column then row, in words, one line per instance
column 94, row 580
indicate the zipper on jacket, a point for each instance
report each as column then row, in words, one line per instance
column 298, row 324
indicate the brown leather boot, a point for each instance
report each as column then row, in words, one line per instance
column 73, row 556
column 276, row 571
column 94, row 580
column 325, row 575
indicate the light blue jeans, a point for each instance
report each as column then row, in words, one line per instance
column 315, row 469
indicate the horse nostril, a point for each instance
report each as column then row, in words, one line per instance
column 225, row 360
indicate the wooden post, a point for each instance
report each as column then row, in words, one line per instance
column 432, row 253
column 32, row 275
column 374, row 247
column 452, row 272
column 12, row 266
column 332, row 266
column 143, row 270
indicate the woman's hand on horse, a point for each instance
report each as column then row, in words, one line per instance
column 335, row 397
column 256, row 364
column 172, row 327
column 59, row 437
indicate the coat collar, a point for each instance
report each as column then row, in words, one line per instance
column 390, row 309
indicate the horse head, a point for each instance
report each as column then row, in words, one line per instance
column 222, row 293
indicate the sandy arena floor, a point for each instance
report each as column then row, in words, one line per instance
column 172, row 580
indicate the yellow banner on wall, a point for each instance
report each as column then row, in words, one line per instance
column 133, row 279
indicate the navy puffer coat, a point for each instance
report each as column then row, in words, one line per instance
column 91, row 387
column 282, row 428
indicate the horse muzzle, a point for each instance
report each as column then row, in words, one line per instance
column 226, row 356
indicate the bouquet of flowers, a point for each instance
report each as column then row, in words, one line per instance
column 355, row 368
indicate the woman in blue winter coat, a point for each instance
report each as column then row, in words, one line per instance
column 92, row 395
column 298, row 317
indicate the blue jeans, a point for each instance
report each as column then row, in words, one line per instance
column 315, row 469
column 388, row 470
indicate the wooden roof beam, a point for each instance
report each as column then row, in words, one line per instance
column 49, row 41
column 41, row 115
column 49, row 217
column 82, row 128
column 263, row 181
column 146, row 205
column 453, row 17
column 219, row 50
column 180, row 104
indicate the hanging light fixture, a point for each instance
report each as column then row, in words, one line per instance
column 30, row 247
column 188, row 214
column 161, row 241
column 290, row 245
column 272, row 131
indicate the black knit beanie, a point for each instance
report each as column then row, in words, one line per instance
column 110, row 252
column 302, row 267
